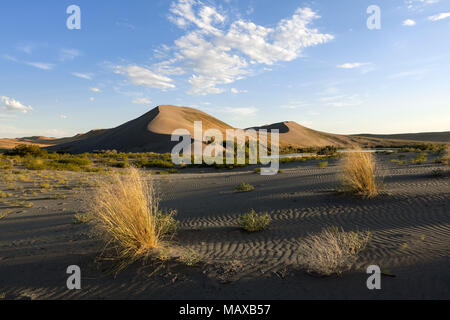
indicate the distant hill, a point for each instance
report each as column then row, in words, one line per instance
column 9, row 143
column 424, row 136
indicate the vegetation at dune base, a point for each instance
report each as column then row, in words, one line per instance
column 32, row 157
column 420, row 159
column 443, row 157
column 359, row 175
column 332, row 251
column 254, row 222
column 244, row 187
column 127, row 213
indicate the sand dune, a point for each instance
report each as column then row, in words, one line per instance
column 149, row 133
column 152, row 133
column 291, row 133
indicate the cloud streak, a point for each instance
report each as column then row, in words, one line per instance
column 12, row 105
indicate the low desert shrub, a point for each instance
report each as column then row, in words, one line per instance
column 420, row 159
column 35, row 164
column 322, row 164
column 359, row 176
column 154, row 163
column 399, row 162
column 244, row 187
column 437, row 173
column 24, row 150
column 332, row 251
column 5, row 164
column 254, row 222
column 81, row 218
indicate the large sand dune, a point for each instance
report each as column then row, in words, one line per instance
column 152, row 133
column 149, row 133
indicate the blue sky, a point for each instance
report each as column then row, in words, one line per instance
column 247, row 62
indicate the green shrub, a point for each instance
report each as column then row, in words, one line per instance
column 442, row 160
column 253, row 222
column 166, row 223
column 154, row 163
column 24, row 150
column 322, row 164
column 35, row 164
column 5, row 164
column 420, row 159
column 328, row 150
column 244, row 187
column 399, row 162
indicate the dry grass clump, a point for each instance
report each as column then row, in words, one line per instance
column 127, row 212
column 254, row 222
column 332, row 251
column 359, row 175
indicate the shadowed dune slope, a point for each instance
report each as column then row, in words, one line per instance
column 149, row 133
column 291, row 133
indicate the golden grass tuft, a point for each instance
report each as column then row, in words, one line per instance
column 127, row 211
column 332, row 251
column 359, row 175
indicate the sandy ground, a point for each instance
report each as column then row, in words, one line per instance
column 410, row 223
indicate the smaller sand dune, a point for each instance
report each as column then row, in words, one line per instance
column 291, row 133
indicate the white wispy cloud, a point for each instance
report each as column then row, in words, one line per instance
column 440, row 16
column 216, row 50
column 363, row 67
column 341, row 100
column 141, row 101
column 68, row 54
column 12, row 105
column 95, row 90
column 353, row 65
column 413, row 74
column 419, row 4
column 241, row 111
column 9, row 58
column 409, row 23
column 63, row 116
column 236, row 91
column 144, row 77
column 41, row 65
column 25, row 48
column 221, row 55
column 87, row 76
